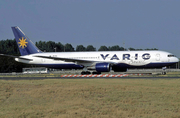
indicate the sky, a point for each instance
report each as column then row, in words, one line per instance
column 138, row 24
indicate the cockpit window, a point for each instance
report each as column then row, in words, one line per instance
column 170, row 55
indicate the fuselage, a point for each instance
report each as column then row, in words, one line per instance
column 100, row 61
column 122, row 59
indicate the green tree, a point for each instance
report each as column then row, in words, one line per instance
column 69, row 48
column 122, row 49
column 90, row 48
column 103, row 48
column 80, row 48
column 132, row 49
column 42, row 46
column 9, row 47
column 50, row 46
column 115, row 48
column 59, row 47
column 151, row 49
column 138, row 49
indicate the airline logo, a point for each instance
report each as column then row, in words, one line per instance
column 22, row 43
column 145, row 56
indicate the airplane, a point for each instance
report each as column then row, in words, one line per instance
column 91, row 62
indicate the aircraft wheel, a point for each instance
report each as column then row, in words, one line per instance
column 96, row 73
column 85, row 73
column 88, row 73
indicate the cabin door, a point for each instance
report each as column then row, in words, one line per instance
column 158, row 57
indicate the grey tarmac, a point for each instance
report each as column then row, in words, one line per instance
column 42, row 78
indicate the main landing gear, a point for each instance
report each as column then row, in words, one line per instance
column 88, row 73
column 85, row 73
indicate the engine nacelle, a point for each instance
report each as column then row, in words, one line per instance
column 101, row 67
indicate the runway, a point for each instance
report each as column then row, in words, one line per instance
column 42, row 78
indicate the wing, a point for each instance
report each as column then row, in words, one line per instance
column 77, row 61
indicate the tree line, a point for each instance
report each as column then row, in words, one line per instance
column 10, row 47
column 51, row 46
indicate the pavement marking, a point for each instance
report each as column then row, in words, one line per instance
column 101, row 75
column 106, row 75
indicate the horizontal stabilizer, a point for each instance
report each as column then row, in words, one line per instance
column 5, row 55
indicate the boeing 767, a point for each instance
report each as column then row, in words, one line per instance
column 96, row 62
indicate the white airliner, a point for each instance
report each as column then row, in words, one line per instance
column 100, row 61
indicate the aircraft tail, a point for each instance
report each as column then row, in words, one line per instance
column 25, row 45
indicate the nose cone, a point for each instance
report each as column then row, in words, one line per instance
column 176, row 59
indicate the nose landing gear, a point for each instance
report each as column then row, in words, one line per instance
column 164, row 70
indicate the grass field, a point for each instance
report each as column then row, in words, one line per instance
column 90, row 98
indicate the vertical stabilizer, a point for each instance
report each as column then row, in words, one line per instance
column 25, row 45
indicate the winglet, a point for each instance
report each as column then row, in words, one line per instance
column 25, row 45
